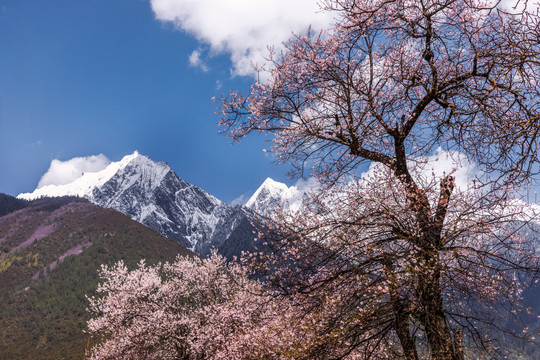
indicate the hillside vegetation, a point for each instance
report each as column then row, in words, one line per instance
column 50, row 253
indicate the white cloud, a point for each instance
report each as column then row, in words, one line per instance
column 308, row 185
column 428, row 171
column 517, row 6
column 196, row 61
column 241, row 28
column 65, row 172
column 444, row 163
column 240, row 200
column 244, row 29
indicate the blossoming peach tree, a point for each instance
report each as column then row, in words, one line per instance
column 409, row 259
column 190, row 309
column 406, row 261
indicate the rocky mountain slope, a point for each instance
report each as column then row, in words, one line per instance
column 153, row 194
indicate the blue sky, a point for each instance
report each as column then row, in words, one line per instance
column 88, row 77
column 84, row 77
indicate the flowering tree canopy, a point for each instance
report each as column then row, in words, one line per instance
column 412, row 257
column 398, row 78
column 199, row 309
column 190, row 309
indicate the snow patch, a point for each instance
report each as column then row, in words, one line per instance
column 83, row 185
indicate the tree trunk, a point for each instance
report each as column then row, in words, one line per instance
column 405, row 338
column 402, row 317
column 432, row 314
column 458, row 344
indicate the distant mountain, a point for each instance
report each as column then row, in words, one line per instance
column 151, row 193
column 272, row 195
column 50, row 253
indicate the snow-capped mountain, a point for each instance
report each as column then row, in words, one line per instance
column 272, row 195
column 151, row 193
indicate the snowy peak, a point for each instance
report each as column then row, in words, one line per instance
column 268, row 188
column 272, row 195
column 141, row 171
column 84, row 185
column 269, row 196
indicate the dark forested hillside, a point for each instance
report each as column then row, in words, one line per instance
column 50, row 253
column 9, row 204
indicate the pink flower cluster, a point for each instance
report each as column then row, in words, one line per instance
column 193, row 309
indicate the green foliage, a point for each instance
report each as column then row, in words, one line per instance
column 6, row 262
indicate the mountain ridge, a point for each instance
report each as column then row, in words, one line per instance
column 151, row 193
